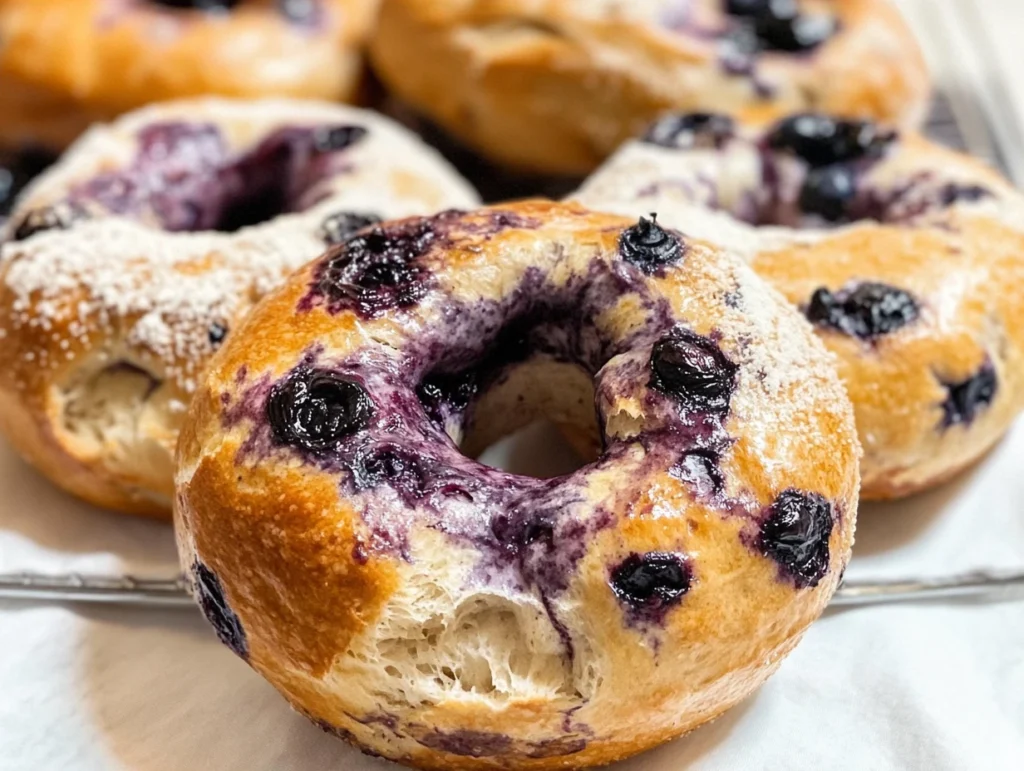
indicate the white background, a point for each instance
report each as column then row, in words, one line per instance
column 910, row 687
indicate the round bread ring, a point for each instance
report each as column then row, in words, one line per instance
column 554, row 86
column 107, row 318
column 944, row 228
column 65, row 64
column 449, row 615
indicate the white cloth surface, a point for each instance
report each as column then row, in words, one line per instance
column 924, row 687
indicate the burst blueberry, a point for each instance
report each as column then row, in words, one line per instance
column 795, row 534
column 649, row 246
column 651, row 583
column 700, row 470
column 865, row 310
column 829, row 193
column 967, row 398
column 314, row 409
column 217, row 333
column 338, row 227
column 822, row 141
column 226, row 624
column 693, row 370
column 695, row 129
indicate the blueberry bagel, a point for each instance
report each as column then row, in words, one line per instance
column 554, row 86
column 65, row 64
column 129, row 262
column 907, row 257
column 449, row 615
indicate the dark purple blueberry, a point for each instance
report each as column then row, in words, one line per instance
column 60, row 216
column 376, row 271
column 781, row 27
column 821, row 140
column 337, row 228
column 199, row 5
column 651, row 583
column 695, row 129
column 700, row 470
column 217, row 333
column 314, row 409
column 649, row 246
column 210, row 595
column 795, row 534
column 954, row 193
column 829, row 192
column 331, row 139
column 868, row 310
column 19, row 168
column 441, row 393
column 746, row 7
column 693, row 370
column 969, row 397
column 393, row 466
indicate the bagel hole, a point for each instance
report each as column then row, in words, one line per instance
column 187, row 178
column 537, row 420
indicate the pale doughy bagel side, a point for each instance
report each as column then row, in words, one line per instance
column 908, row 257
column 449, row 615
column 554, row 86
column 66, row 64
column 116, row 286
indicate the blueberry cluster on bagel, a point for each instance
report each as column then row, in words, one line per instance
column 907, row 257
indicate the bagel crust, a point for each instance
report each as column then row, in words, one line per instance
column 66, row 64
column 554, row 86
column 450, row 615
column 116, row 286
column 907, row 256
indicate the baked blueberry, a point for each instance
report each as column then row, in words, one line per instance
column 822, row 141
column 795, row 533
column 443, row 392
column 377, row 270
column 217, row 333
column 336, row 228
column 693, row 370
column 829, row 193
column 649, row 246
column 331, row 139
column 695, row 129
column 60, row 216
column 746, row 7
column 969, row 397
column 314, row 409
column 651, row 582
column 393, row 466
column 954, row 193
column 781, row 27
column 210, row 595
column 700, row 470
column 867, row 310
column 17, row 170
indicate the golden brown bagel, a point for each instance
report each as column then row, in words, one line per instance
column 908, row 257
column 120, row 278
column 65, row 64
column 449, row 615
column 555, row 86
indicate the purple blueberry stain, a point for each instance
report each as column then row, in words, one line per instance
column 649, row 246
column 315, row 409
column 694, row 371
column 650, row 585
column 966, row 399
column 210, row 595
column 795, row 534
column 865, row 310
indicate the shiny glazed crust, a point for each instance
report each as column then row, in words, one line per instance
column 556, row 85
column 964, row 262
column 65, row 64
column 106, row 325
column 430, row 654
